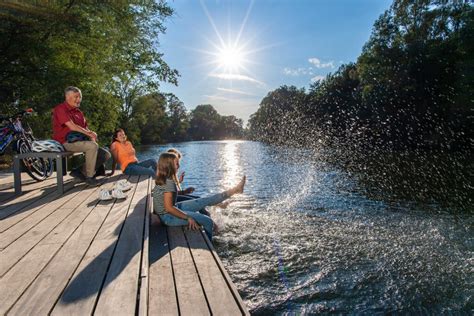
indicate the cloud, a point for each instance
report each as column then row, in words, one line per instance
column 216, row 98
column 235, row 77
column 316, row 62
column 317, row 78
column 309, row 71
column 235, row 91
column 295, row 72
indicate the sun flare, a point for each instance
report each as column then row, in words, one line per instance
column 230, row 57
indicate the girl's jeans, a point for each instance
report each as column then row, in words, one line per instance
column 146, row 167
column 191, row 208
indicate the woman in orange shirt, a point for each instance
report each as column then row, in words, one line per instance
column 124, row 154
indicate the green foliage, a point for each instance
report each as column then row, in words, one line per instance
column 280, row 117
column 205, row 123
column 108, row 49
column 411, row 86
column 178, row 119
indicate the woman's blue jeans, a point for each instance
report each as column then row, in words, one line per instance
column 146, row 167
column 191, row 208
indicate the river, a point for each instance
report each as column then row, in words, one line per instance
column 311, row 236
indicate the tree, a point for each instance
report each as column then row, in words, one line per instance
column 410, row 87
column 280, row 116
column 108, row 49
column 203, row 123
column 178, row 119
column 206, row 124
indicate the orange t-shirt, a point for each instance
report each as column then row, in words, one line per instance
column 125, row 154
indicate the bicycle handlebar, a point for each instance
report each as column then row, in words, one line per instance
column 27, row 111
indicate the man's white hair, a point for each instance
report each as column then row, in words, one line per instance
column 72, row 89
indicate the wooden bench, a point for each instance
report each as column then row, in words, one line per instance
column 59, row 157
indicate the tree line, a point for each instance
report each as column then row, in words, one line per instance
column 109, row 49
column 410, row 88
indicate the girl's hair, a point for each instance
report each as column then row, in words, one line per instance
column 114, row 136
column 175, row 151
column 166, row 169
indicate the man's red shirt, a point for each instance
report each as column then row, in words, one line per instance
column 63, row 113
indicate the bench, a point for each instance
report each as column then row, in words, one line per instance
column 58, row 156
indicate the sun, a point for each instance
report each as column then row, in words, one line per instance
column 230, row 57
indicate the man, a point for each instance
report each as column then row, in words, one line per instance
column 68, row 118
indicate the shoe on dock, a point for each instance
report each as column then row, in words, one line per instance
column 104, row 195
column 123, row 185
column 118, row 194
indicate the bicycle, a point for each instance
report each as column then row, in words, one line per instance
column 21, row 137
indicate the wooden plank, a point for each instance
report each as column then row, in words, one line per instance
column 191, row 298
column 22, row 245
column 219, row 295
column 24, row 223
column 6, row 181
column 119, row 293
column 16, row 250
column 144, row 265
column 20, row 276
column 25, row 201
column 53, row 200
column 81, row 293
column 7, row 195
column 42, row 294
column 162, row 296
column 230, row 284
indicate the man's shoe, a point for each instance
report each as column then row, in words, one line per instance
column 100, row 171
column 92, row 182
column 77, row 173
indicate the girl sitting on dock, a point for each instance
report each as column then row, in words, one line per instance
column 124, row 154
column 172, row 213
column 183, row 195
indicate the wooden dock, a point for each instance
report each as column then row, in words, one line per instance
column 72, row 254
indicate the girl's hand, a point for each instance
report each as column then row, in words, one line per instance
column 181, row 177
column 192, row 224
column 188, row 190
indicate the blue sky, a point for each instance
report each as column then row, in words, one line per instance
column 230, row 54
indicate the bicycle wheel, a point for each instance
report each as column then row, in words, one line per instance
column 35, row 167
column 49, row 168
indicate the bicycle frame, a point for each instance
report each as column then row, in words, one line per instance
column 12, row 131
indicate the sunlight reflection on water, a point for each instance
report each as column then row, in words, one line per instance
column 230, row 164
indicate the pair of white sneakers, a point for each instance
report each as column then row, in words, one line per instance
column 117, row 191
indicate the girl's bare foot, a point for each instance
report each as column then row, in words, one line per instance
column 239, row 188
